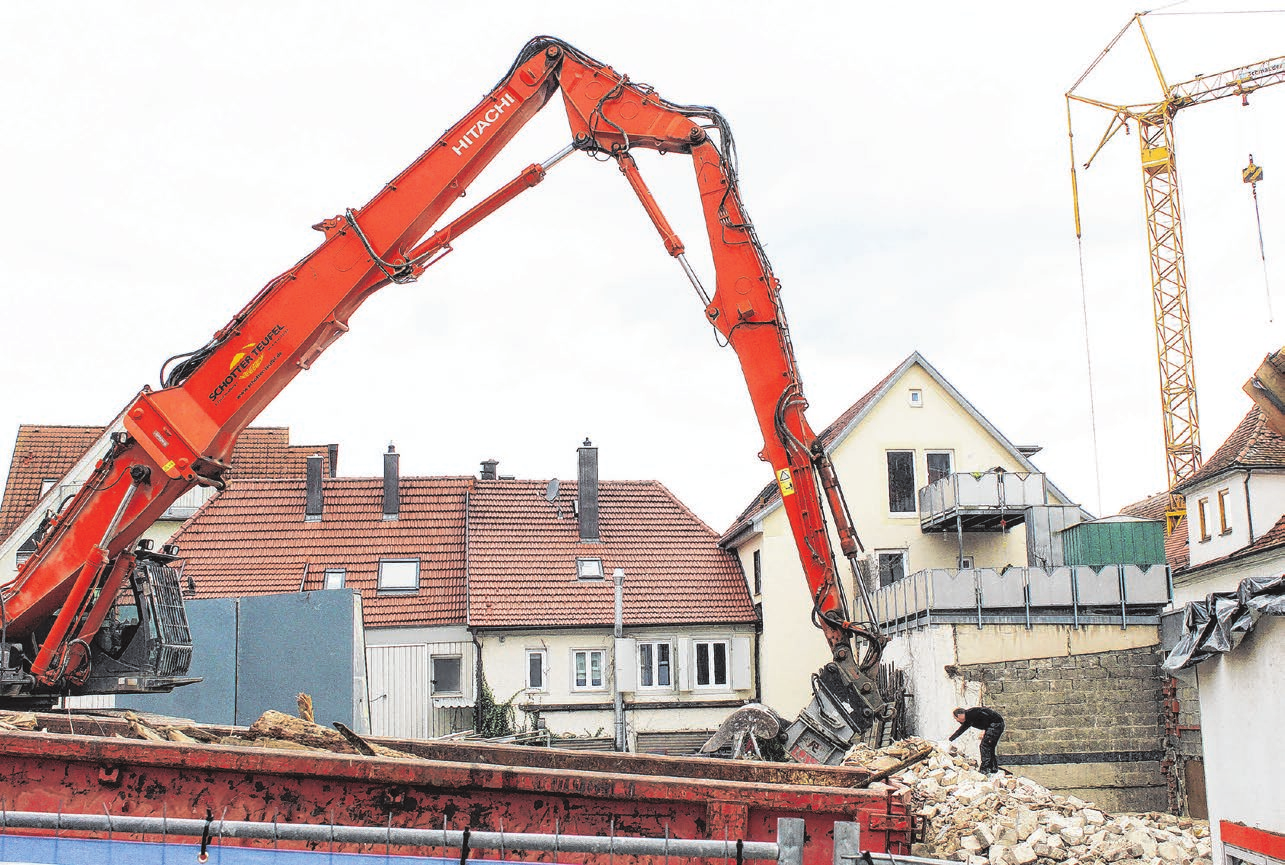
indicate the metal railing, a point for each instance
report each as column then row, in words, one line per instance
column 1066, row 595
column 963, row 491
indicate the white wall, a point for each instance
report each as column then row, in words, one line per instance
column 923, row 655
column 1242, row 704
column 656, row 709
column 1266, row 503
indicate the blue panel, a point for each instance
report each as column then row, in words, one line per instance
column 213, row 699
column 292, row 644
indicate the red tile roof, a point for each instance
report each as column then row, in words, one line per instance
column 40, row 453
column 1153, row 508
column 252, row 539
column 44, row 452
column 521, row 556
column 522, row 559
column 1252, row 444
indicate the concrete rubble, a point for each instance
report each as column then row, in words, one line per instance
column 1010, row 820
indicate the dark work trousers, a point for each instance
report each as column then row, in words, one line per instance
column 990, row 739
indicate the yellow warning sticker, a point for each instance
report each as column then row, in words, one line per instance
column 785, row 482
column 168, row 467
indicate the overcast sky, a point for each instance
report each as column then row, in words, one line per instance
column 906, row 166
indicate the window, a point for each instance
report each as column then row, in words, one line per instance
column 398, row 575
column 892, row 567
column 588, row 669
column 334, row 578
column 446, row 674
column 46, row 485
column 916, row 398
column 1223, row 526
column 965, row 563
column 654, row 668
column 938, row 465
column 758, row 572
column 589, row 569
column 711, row 664
column 901, row 482
column 1202, row 510
column 535, row 669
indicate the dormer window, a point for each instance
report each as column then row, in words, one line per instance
column 589, row 569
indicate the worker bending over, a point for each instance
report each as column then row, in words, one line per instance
column 987, row 720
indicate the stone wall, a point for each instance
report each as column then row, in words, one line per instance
column 1086, row 725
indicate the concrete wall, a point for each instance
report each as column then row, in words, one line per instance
column 1083, row 724
column 1242, row 702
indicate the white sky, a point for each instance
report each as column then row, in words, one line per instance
column 906, row 166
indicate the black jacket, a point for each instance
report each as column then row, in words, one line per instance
column 979, row 718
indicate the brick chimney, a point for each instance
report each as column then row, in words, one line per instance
column 312, row 487
column 587, row 492
column 392, row 497
column 488, row 470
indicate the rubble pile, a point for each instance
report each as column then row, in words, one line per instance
column 1011, row 820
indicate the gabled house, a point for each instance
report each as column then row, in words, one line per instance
column 911, row 431
column 509, row 585
column 995, row 588
column 50, row 462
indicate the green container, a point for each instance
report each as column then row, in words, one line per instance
column 1115, row 541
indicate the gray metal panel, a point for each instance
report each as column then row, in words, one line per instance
column 1050, row 588
column 1098, row 587
column 213, row 624
column 1002, row 590
column 399, row 702
column 292, row 644
column 1146, row 585
column 954, row 590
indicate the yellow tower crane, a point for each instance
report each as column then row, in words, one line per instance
column 1164, row 234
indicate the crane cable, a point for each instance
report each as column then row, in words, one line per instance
column 1251, row 175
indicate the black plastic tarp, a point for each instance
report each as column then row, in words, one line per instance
column 1217, row 624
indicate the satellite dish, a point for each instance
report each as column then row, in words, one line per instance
column 552, row 492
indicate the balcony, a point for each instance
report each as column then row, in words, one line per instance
column 992, row 501
column 188, row 503
column 1072, row 595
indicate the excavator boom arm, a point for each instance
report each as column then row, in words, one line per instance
column 184, row 433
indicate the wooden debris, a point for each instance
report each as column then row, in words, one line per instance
column 305, row 707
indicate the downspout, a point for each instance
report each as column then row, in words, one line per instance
column 477, row 644
column 1249, row 510
column 619, row 698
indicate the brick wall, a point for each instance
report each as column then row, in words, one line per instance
column 1087, row 725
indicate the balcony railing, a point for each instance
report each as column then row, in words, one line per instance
column 980, row 501
column 1115, row 594
column 186, row 505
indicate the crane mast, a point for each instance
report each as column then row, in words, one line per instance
column 1163, row 211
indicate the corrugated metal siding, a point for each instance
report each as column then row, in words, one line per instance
column 1111, row 543
column 680, row 743
column 398, row 691
column 401, row 703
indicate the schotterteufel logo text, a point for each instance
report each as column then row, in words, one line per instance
column 477, row 131
column 246, row 362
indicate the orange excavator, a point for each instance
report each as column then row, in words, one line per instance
column 61, row 628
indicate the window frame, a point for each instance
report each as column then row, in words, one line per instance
column 383, row 589
column 928, row 469
column 712, row 664
column 325, row 579
column 888, row 455
column 1202, row 508
column 543, row 656
column 916, row 397
column 903, row 554
column 757, row 563
column 652, row 668
column 582, row 561
column 602, row 670
column 1223, row 526
column 433, row 690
